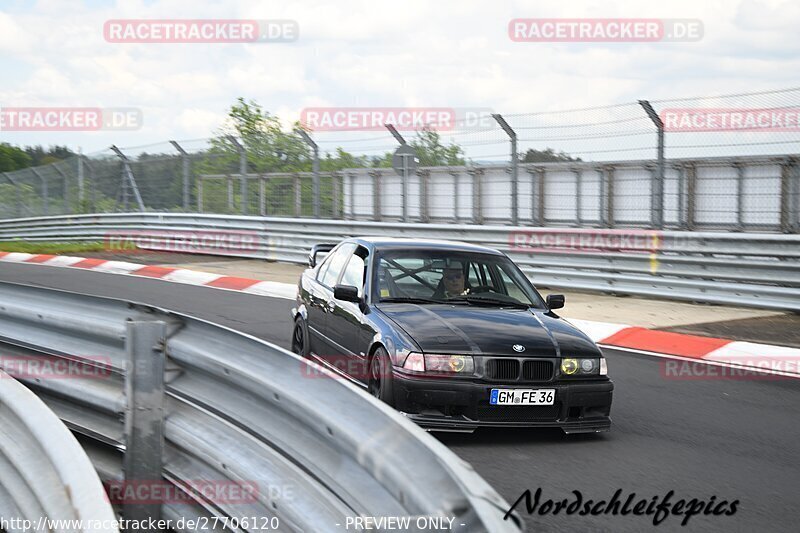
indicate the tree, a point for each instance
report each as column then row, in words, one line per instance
column 432, row 153
column 547, row 156
column 41, row 156
column 13, row 158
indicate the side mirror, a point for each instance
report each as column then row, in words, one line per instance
column 555, row 301
column 316, row 250
column 346, row 293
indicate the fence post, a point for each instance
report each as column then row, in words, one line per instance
column 45, row 193
column 541, row 191
column 17, row 198
column 794, row 195
column 144, row 412
column 376, row 195
column 404, row 186
column 298, row 196
column 691, row 195
column 229, row 183
column 578, row 196
column 81, row 187
column 262, row 196
column 336, row 179
column 186, row 174
column 128, row 180
column 786, row 221
column 739, row 196
column 200, row 195
column 657, row 209
column 608, row 208
column 424, row 182
column 65, row 196
column 242, row 173
column 514, row 167
column 314, row 169
column 477, row 211
column 455, row 175
column 92, row 184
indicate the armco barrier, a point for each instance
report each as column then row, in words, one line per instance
column 158, row 397
column 745, row 269
column 44, row 473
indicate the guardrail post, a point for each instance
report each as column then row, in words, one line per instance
column 315, row 169
column 691, row 195
column 145, row 344
column 657, row 210
column 739, row 196
column 477, row 211
column 514, row 167
column 186, row 173
column 45, row 194
column 376, row 195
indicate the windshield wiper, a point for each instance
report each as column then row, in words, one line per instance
column 473, row 299
column 410, row 300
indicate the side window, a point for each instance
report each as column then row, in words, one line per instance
column 336, row 264
column 354, row 271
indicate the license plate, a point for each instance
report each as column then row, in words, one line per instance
column 522, row 397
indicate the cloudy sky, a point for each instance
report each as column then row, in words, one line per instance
column 354, row 53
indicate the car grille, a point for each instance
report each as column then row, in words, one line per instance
column 537, row 370
column 518, row 413
column 502, row 369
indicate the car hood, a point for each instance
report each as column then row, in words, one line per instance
column 491, row 331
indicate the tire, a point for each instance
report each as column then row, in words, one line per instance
column 380, row 376
column 300, row 344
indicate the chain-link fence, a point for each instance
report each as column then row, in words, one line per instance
column 724, row 162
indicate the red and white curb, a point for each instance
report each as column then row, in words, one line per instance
column 165, row 273
column 766, row 358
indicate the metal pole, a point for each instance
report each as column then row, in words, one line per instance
column 81, row 187
column 185, row 164
column 145, row 344
column 45, row 194
column 514, row 167
column 64, row 177
column 314, row 169
column 17, row 199
column 404, row 186
column 128, row 180
column 657, row 218
column 242, row 173
column 739, row 196
column 92, row 184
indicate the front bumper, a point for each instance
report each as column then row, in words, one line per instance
column 463, row 405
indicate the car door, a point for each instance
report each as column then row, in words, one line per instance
column 346, row 326
column 320, row 297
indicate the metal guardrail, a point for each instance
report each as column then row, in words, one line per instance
column 44, row 473
column 744, row 269
column 229, row 408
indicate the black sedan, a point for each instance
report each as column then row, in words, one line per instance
column 452, row 335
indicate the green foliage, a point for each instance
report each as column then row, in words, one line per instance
column 12, row 158
column 547, row 156
column 51, row 247
column 432, row 153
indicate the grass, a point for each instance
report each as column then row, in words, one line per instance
column 54, row 248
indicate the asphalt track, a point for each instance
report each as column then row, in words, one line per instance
column 733, row 439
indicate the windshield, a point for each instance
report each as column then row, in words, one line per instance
column 436, row 276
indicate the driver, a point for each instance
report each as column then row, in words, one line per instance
column 452, row 281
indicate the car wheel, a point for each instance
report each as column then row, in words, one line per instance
column 300, row 338
column 380, row 377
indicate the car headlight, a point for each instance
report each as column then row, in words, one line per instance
column 440, row 364
column 574, row 367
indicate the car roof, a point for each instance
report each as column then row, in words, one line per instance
column 394, row 243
